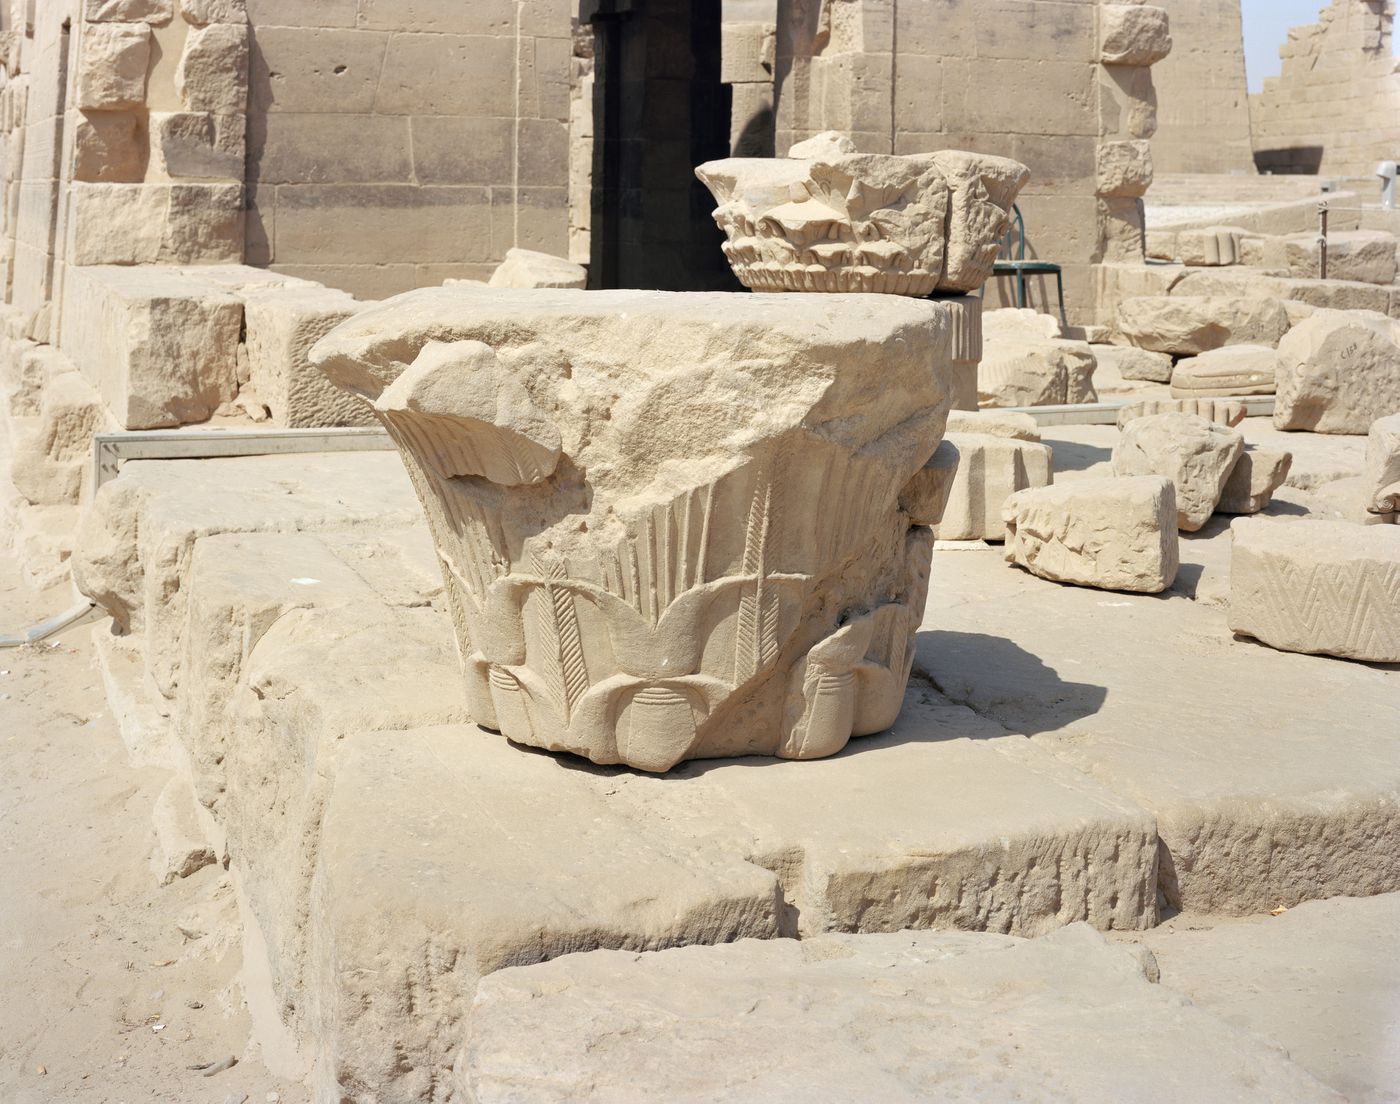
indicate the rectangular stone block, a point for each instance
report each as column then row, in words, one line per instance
column 367, row 224
column 130, row 224
column 198, row 145
column 324, row 148
column 112, row 63
column 412, row 84
column 109, row 147
column 461, row 149
column 280, row 325
column 344, row 78
column 161, row 347
column 264, row 14
column 212, row 74
column 1328, row 587
column 990, row 469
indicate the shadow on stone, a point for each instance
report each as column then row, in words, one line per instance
column 1076, row 456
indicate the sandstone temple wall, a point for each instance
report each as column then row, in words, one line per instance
column 1335, row 108
column 1063, row 86
column 393, row 143
column 1202, row 93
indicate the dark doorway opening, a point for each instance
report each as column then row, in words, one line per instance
column 659, row 110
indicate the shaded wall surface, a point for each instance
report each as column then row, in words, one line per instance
column 1202, row 93
column 1335, row 107
column 1064, row 86
column 392, row 143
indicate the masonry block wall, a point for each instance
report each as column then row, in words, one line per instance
column 392, row 143
column 1064, row 86
column 1335, row 108
column 1202, row 92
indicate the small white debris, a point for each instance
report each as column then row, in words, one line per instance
column 307, row 582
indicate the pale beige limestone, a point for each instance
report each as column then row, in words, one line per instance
column 1383, row 468
column 212, row 74
column 572, row 408
column 992, row 465
column 527, row 268
column 202, row 12
column 1134, row 364
column 112, row 63
column 1338, row 371
column 1124, row 168
column 160, row 347
column 181, row 848
column 1196, row 455
column 1212, row 247
column 1223, row 411
column 128, row 11
column 1362, row 256
column 709, row 1024
column 836, row 221
column 1257, row 474
column 280, row 326
column 51, row 461
column 1318, row 980
column 1267, row 283
column 198, row 145
column 1114, row 534
column 1323, row 587
column 925, row 496
column 1025, row 362
column 1230, row 370
column 1133, row 34
column 108, row 146
column 965, row 348
column 996, row 423
column 1189, row 325
column 149, row 224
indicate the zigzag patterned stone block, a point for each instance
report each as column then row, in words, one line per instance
column 1326, row 587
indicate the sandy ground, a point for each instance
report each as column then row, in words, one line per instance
column 113, row 986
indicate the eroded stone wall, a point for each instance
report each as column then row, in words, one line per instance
column 1202, row 94
column 393, row 143
column 1335, row 108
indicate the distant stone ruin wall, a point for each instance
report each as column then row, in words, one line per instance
column 1335, row 108
column 392, row 143
column 1202, row 94
column 1063, row 86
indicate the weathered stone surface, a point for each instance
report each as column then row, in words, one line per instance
column 527, row 268
column 1326, row 587
column 1211, row 247
column 1124, row 168
column 997, row 423
column 198, row 145
column 592, row 638
column 145, row 224
column 1383, row 468
column 51, row 461
column 128, row 11
column 1115, row 534
column 108, row 146
column 837, row 221
column 1230, row 370
column 212, row 74
column 904, row 1018
column 1318, row 980
column 1337, row 372
column 1133, row 34
column 1365, row 256
column 991, row 466
column 1221, row 411
column 181, row 848
column 1257, row 474
column 281, row 325
column 1196, row 455
column 1134, row 364
column 161, row 348
column 112, row 66
column 1025, row 362
column 202, row 12
column 1188, row 325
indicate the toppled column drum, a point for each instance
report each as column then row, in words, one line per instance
column 671, row 525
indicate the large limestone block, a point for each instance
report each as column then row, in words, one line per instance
column 108, row 147
column 50, row 463
column 666, row 494
column 1134, row 364
column 1364, row 256
column 1025, row 362
column 1211, row 247
column 528, row 268
column 212, row 74
column 281, row 325
column 112, row 65
column 1325, row 587
column 1114, row 533
column 991, row 467
column 1189, row 325
column 1221, row 411
column 826, row 219
column 1338, row 371
column 1383, row 468
column 902, row 1019
column 1257, row 474
column 198, row 145
column 1133, row 34
column 1196, row 455
column 1124, row 168
column 161, row 347
column 1231, row 370
column 145, row 224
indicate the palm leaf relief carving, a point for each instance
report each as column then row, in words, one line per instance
column 756, row 635
column 566, row 671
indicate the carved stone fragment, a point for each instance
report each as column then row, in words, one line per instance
column 833, row 220
column 671, row 525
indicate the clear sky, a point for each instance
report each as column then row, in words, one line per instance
column 1266, row 24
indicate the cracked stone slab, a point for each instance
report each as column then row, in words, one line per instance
column 958, row 1018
